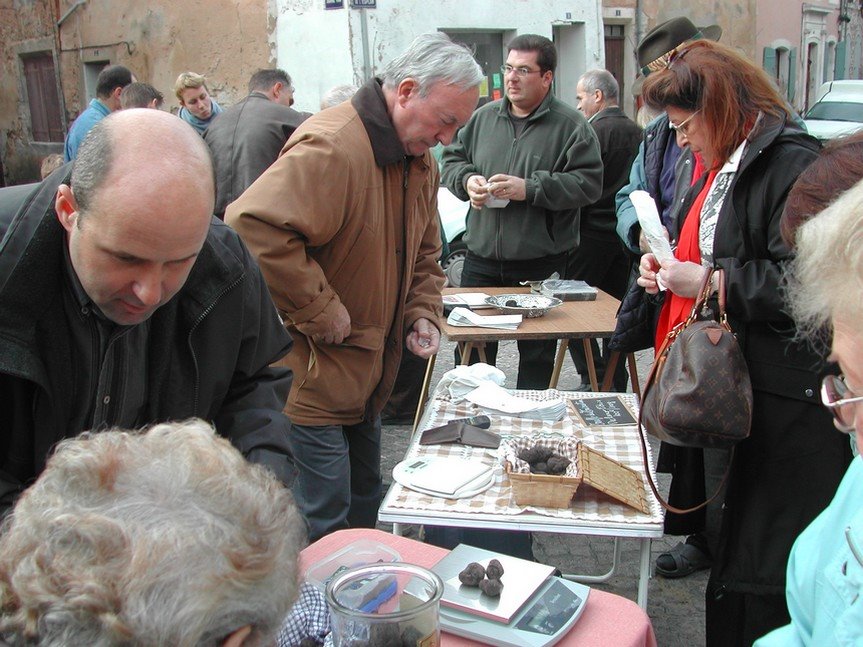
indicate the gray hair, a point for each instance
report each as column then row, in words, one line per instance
column 338, row 94
column 825, row 281
column 604, row 81
column 431, row 59
column 168, row 537
column 92, row 164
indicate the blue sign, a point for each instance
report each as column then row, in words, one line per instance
column 364, row 4
column 334, row 4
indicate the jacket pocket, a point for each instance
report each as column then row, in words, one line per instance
column 343, row 377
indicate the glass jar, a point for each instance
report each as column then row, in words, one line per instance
column 388, row 603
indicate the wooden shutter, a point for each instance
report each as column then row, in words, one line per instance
column 42, row 96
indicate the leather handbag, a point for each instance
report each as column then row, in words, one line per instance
column 698, row 392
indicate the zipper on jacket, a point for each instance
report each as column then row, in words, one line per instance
column 200, row 318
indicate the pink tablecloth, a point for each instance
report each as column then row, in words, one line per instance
column 609, row 620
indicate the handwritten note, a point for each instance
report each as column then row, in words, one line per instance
column 603, row 412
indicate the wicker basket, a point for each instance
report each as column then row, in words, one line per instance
column 544, row 489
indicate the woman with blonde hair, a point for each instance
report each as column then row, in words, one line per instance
column 749, row 150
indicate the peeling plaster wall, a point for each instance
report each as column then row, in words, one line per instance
column 23, row 26
column 322, row 48
column 736, row 17
column 225, row 40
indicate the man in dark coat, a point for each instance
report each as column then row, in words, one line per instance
column 600, row 258
column 247, row 137
column 124, row 303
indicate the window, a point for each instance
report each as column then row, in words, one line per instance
column 45, row 122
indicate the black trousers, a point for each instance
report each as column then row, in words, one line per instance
column 535, row 358
column 603, row 263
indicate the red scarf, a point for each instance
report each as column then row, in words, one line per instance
column 676, row 309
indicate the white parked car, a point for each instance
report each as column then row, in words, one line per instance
column 838, row 110
column 453, row 213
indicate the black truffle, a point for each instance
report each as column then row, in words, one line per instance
column 472, row 574
column 491, row 588
column 383, row 634
column 494, row 570
column 512, row 303
column 558, row 464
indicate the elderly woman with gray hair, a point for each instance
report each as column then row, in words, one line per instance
column 825, row 569
column 168, row 537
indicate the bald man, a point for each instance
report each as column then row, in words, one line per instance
column 124, row 303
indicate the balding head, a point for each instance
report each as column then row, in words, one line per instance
column 141, row 143
column 146, row 180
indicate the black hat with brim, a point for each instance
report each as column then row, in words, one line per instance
column 664, row 39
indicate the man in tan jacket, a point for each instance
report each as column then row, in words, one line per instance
column 344, row 225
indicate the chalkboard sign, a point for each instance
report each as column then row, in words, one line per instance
column 603, row 412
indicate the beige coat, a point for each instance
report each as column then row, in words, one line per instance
column 343, row 215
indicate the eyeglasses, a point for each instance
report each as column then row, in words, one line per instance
column 683, row 126
column 519, row 71
column 833, row 392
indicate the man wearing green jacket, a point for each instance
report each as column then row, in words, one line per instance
column 527, row 163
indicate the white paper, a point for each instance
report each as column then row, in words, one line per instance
column 495, row 398
column 466, row 317
column 651, row 225
column 496, row 203
column 469, row 299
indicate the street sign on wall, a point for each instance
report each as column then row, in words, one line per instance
column 334, row 4
column 364, row 4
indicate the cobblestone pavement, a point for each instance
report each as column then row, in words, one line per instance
column 675, row 607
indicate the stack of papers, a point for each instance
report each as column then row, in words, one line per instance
column 465, row 317
column 473, row 300
column 496, row 399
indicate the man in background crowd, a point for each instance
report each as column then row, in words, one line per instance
column 336, row 95
column 528, row 163
column 141, row 95
column 247, row 137
column 600, row 258
column 109, row 85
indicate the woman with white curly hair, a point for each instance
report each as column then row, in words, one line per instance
column 167, row 537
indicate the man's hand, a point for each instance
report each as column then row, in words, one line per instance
column 507, row 186
column 331, row 326
column 477, row 190
column 424, row 339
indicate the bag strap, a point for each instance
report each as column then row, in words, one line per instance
column 665, row 504
column 703, row 295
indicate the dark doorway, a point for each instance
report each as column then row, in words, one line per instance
column 614, row 46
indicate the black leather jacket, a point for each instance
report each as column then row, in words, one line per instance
column 210, row 347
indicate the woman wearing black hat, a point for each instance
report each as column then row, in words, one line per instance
column 728, row 113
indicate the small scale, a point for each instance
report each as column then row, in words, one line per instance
column 452, row 478
column 544, row 620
